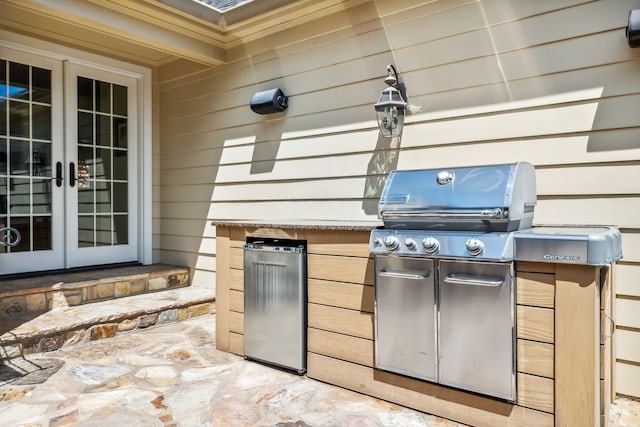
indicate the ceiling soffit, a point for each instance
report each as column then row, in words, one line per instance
column 170, row 28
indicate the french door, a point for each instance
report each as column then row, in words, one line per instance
column 68, row 150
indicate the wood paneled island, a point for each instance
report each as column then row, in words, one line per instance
column 564, row 348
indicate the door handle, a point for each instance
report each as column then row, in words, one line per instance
column 461, row 279
column 399, row 275
column 613, row 324
column 11, row 238
column 59, row 174
column 72, row 174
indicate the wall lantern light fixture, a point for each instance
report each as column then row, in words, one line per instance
column 391, row 106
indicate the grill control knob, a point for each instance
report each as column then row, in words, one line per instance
column 475, row 246
column 430, row 244
column 391, row 242
column 410, row 243
column 377, row 241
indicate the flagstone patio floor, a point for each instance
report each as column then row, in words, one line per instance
column 172, row 375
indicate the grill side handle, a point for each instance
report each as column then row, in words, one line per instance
column 454, row 214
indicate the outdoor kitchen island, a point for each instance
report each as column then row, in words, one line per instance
column 563, row 328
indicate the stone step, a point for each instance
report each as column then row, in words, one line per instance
column 28, row 333
column 47, row 312
column 49, row 291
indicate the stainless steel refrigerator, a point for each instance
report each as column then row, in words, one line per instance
column 275, row 301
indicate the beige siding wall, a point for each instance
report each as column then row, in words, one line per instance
column 553, row 83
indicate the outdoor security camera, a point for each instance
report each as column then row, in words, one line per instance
column 269, row 101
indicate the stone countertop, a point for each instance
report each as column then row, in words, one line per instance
column 308, row 224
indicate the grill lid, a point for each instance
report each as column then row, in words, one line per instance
column 480, row 198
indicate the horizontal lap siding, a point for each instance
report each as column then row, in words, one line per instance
column 236, row 296
column 534, row 323
column 535, row 303
column 627, row 379
column 339, row 294
column 341, row 301
column 343, row 321
column 628, row 278
column 552, row 83
column 535, row 358
column 340, row 346
column 342, row 269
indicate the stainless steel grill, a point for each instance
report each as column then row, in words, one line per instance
column 445, row 301
column 431, row 212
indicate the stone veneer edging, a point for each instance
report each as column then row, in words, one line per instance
column 51, row 338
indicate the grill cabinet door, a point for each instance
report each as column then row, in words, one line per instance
column 405, row 316
column 476, row 334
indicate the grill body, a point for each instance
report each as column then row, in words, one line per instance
column 445, row 299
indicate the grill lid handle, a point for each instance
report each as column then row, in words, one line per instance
column 460, row 279
column 467, row 213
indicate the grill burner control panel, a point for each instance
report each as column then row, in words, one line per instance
column 597, row 245
column 449, row 244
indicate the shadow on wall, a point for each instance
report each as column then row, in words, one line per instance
column 616, row 114
column 383, row 161
column 267, row 145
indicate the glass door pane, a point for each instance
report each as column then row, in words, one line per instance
column 102, row 163
column 26, row 140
